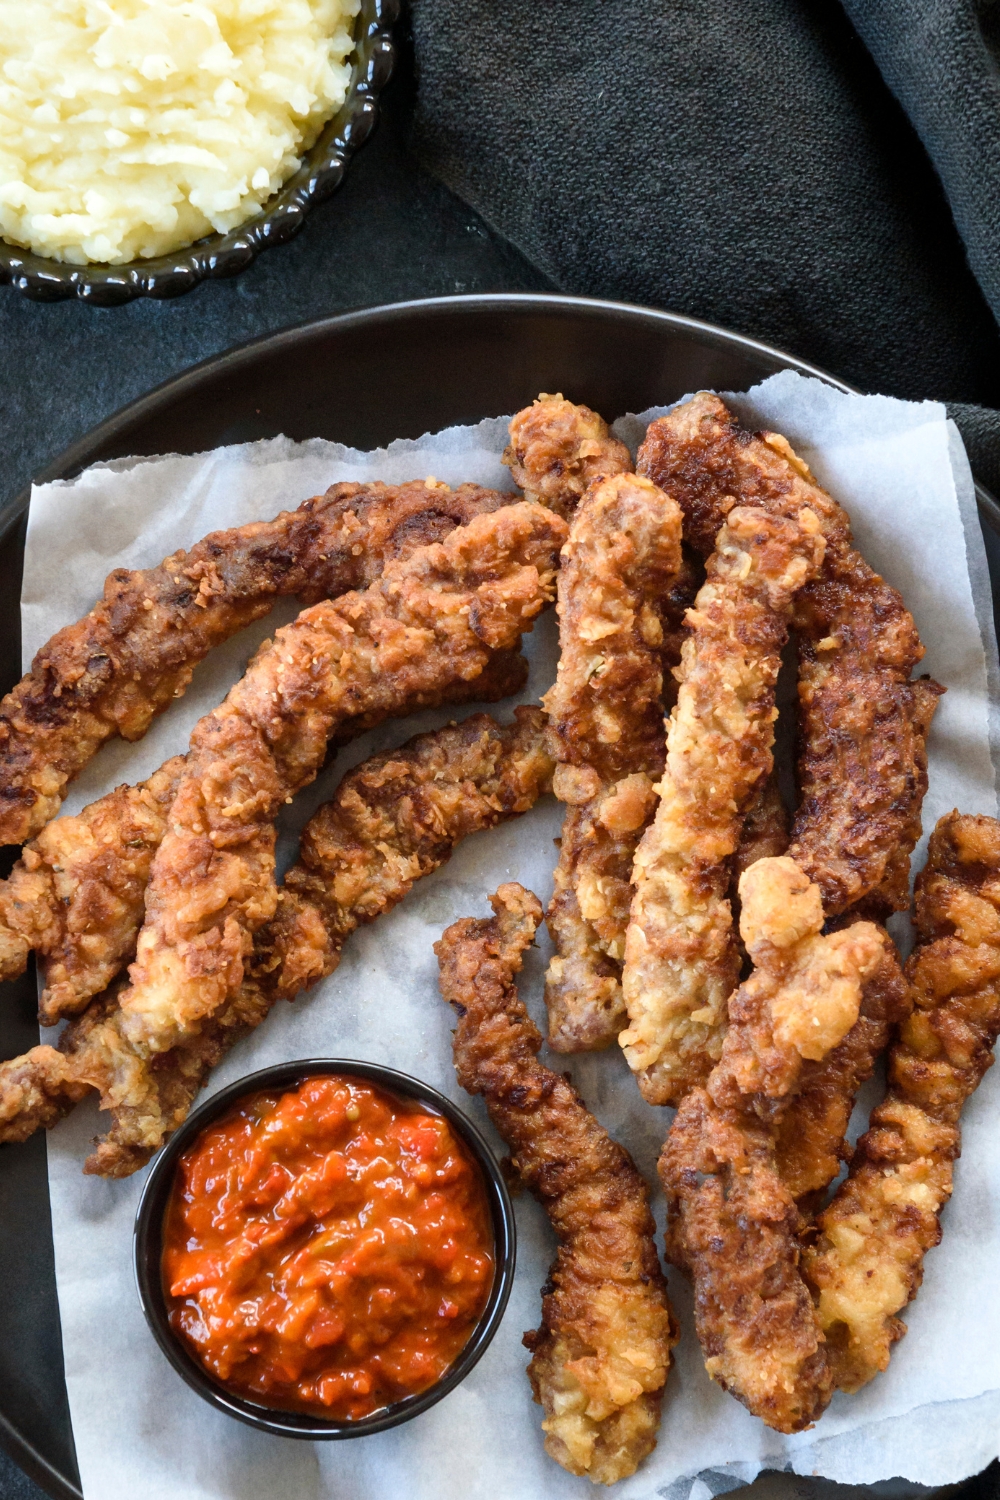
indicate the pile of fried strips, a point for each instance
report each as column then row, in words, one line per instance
column 738, row 955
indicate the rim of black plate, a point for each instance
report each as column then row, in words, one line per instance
column 35, row 1465
column 73, row 459
column 42, row 279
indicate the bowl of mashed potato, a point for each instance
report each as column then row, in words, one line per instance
column 149, row 144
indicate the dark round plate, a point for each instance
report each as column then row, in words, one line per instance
column 362, row 379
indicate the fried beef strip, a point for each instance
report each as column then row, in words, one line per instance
column 557, row 450
column 733, row 1229
column 113, row 671
column 396, row 817
column 36, row 1090
column 77, row 894
column 811, row 1142
column 765, row 829
column 431, row 619
column 600, row 1358
column 804, row 995
column 862, row 762
column 681, row 958
column 867, row 1262
column 606, row 712
column 733, row 1225
column 400, row 815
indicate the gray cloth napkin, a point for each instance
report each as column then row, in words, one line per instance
column 747, row 164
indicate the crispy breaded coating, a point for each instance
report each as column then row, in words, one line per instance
column 811, row 1142
column 623, row 550
column 681, row 958
column 504, row 675
column 862, row 766
column 113, row 671
column 557, row 450
column 765, row 830
column 606, row 713
column 764, row 835
column 892, row 893
column 804, row 995
column 394, row 818
column 599, row 840
column 400, row 815
column 867, row 1262
column 862, row 762
column 733, row 1225
column 431, row 619
column 588, row 915
column 36, row 1090
column 601, row 1356
column 77, row 895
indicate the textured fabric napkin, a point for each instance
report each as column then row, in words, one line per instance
column 748, row 165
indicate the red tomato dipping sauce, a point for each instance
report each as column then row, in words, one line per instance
column 327, row 1250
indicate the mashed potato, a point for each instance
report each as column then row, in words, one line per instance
column 131, row 127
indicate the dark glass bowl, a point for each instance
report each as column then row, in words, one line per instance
column 321, row 173
column 147, row 1250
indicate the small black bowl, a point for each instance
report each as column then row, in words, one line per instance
column 321, row 173
column 148, row 1233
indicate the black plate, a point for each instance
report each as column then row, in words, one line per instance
column 362, row 379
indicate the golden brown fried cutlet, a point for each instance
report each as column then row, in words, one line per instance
column 734, row 1230
column 113, row 671
column 400, row 815
column 811, row 1143
column 557, row 450
column 36, row 1090
column 765, row 831
column 805, row 993
column 606, row 713
column 77, row 894
column 601, row 1356
column 733, row 1225
column 867, row 1262
column 431, row 619
column 393, row 819
column 863, row 723
column 681, row 957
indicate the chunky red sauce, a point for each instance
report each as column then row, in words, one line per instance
column 327, row 1250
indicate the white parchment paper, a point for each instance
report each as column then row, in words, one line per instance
column 934, row 1417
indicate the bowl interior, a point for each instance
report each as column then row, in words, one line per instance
column 148, row 1238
